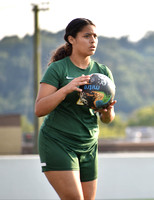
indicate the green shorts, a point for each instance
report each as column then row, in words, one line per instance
column 56, row 156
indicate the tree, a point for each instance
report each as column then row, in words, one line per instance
column 115, row 129
column 27, row 126
column 142, row 117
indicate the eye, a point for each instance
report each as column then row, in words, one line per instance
column 87, row 36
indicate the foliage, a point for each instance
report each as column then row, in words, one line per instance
column 115, row 129
column 27, row 126
column 131, row 65
column 142, row 117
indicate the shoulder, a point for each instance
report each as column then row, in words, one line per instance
column 59, row 63
column 57, row 67
column 54, row 73
column 102, row 68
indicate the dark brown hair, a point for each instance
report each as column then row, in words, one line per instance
column 72, row 29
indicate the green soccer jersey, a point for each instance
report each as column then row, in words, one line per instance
column 71, row 121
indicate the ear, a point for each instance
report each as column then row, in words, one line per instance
column 70, row 39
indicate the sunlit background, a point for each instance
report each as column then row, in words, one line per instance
column 126, row 45
column 118, row 18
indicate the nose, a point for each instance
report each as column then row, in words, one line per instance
column 93, row 39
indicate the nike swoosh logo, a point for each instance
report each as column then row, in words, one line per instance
column 70, row 77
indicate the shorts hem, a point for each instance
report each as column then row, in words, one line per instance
column 53, row 169
column 89, row 179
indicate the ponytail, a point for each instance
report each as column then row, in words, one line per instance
column 62, row 52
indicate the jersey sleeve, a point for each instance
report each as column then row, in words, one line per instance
column 106, row 71
column 109, row 73
column 51, row 76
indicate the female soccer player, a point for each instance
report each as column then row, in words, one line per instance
column 68, row 138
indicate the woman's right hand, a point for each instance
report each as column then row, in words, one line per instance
column 76, row 82
column 49, row 97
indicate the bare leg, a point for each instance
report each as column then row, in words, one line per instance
column 66, row 183
column 89, row 189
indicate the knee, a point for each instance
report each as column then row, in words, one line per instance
column 71, row 196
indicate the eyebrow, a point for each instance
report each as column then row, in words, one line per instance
column 91, row 34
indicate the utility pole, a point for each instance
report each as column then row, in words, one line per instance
column 37, row 68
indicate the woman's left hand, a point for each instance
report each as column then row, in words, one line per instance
column 107, row 114
column 108, row 108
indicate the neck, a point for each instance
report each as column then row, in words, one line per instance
column 81, row 62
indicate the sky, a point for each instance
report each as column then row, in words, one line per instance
column 113, row 18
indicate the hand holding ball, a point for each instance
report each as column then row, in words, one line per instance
column 99, row 93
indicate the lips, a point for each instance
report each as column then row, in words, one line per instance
column 93, row 47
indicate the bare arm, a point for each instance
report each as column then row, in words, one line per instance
column 49, row 97
column 107, row 115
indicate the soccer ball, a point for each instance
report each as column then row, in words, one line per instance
column 99, row 93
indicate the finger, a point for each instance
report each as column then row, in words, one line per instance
column 78, row 89
column 83, row 77
column 83, row 83
column 112, row 103
column 101, row 110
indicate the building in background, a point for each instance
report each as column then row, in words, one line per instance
column 10, row 134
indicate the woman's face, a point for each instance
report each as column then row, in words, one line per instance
column 85, row 42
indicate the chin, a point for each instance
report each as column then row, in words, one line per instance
column 92, row 53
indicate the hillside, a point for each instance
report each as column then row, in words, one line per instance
column 131, row 64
